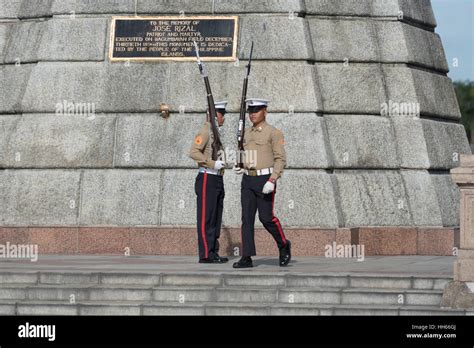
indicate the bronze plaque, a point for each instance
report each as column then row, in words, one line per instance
column 171, row 38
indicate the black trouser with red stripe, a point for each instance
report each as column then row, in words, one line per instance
column 210, row 205
column 253, row 199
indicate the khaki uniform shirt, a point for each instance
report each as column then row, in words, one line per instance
column 264, row 148
column 201, row 150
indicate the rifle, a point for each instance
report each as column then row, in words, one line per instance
column 216, row 143
column 243, row 110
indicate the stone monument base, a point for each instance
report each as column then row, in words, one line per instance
column 458, row 295
column 182, row 240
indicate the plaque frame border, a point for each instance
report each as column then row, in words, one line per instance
column 233, row 58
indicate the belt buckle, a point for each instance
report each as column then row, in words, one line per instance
column 252, row 172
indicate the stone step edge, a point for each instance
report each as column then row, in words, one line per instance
column 226, row 274
column 226, row 304
column 266, row 308
column 79, row 287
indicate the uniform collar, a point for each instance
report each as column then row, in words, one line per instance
column 259, row 128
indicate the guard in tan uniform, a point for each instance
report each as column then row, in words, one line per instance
column 264, row 161
column 209, row 188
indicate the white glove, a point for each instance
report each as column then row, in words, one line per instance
column 238, row 170
column 268, row 188
column 219, row 165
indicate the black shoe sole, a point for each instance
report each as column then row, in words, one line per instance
column 212, row 262
column 237, row 267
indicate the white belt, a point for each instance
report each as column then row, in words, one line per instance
column 258, row 172
column 219, row 172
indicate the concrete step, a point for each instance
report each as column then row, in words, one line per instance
column 219, row 293
column 166, row 308
column 228, row 279
column 305, row 295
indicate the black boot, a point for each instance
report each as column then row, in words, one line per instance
column 223, row 259
column 244, row 262
column 285, row 254
column 213, row 258
column 216, row 253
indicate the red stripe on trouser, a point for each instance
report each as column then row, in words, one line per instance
column 275, row 219
column 203, row 216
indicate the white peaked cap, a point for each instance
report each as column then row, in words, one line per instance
column 221, row 104
column 256, row 102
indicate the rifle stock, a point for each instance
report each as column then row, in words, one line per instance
column 216, row 144
column 243, row 111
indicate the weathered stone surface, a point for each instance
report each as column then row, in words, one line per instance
column 373, row 198
column 109, row 310
column 458, row 294
column 354, row 88
column 449, row 199
column 304, row 146
column 437, row 52
column 419, row 11
column 24, row 42
column 9, row 8
column 361, row 141
column 434, row 92
column 410, row 142
column 35, row 8
column 71, row 7
column 275, row 81
column 76, row 39
column 118, row 87
column 232, row 215
column 177, row 7
column 291, row 7
column 367, row 40
column 271, row 42
column 445, row 143
column 408, row 10
column 120, row 197
column 299, row 69
column 306, row 198
column 182, row 7
column 39, row 197
column 4, row 34
column 401, row 42
column 46, row 309
column 60, row 141
column 111, row 87
column 16, row 78
column 148, row 140
column 339, row 7
column 340, row 40
column 178, row 197
column 422, row 198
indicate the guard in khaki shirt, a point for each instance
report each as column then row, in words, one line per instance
column 209, row 188
column 264, row 160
